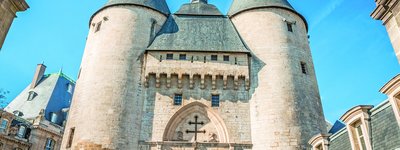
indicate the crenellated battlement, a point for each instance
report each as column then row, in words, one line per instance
column 197, row 70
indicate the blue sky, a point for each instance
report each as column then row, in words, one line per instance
column 352, row 53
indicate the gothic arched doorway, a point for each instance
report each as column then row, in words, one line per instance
column 210, row 126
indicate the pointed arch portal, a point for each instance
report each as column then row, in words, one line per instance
column 210, row 122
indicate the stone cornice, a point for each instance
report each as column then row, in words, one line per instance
column 383, row 10
column 391, row 86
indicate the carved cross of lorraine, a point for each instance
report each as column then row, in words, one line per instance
column 195, row 123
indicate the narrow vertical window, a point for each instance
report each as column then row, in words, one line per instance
column 192, row 59
column 215, row 100
column 161, row 58
column 170, row 56
column 205, row 59
column 54, row 118
column 50, row 144
column 226, row 58
column 214, row 57
column 304, row 68
column 289, row 26
column 21, row 131
column 178, row 99
column 360, row 137
column 71, row 137
column 182, row 56
column 98, row 27
column 236, row 61
column 69, row 88
column 3, row 125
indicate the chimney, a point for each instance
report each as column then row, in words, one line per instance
column 40, row 69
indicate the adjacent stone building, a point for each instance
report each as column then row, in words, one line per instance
column 195, row 79
column 367, row 127
column 35, row 119
column 8, row 10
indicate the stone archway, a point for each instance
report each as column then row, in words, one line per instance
column 213, row 125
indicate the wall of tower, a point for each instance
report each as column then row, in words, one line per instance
column 108, row 100
column 393, row 29
column 8, row 11
column 285, row 103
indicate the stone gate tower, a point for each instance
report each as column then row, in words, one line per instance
column 195, row 79
column 285, row 105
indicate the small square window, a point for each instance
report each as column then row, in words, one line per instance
column 170, row 56
column 215, row 100
column 290, row 26
column 182, row 56
column 178, row 99
column 214, row 57
column 226, row 58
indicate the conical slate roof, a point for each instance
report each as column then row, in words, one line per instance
column 243, row 5
column 159, row 5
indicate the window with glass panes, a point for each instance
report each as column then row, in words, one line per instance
column 215, row 100
column 178, row 99
column 360, row 137
column 3, row 125
column 50, row 144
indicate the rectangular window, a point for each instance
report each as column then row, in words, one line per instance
column 50, row 144
column 289, row 26
column 3, row 125
column 226, row 58
column 182, row 56
column 71, row 137
column 170, row 56
column 178, row 99
column 21, row 131
column 214, row 57
column 360, row 137
column 304, row 68
column 98, row 27
column 215, row 100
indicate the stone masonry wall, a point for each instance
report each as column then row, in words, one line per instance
column 285, row 104
column 110, row 79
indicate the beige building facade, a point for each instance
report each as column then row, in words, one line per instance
column 195, row 79
column 8, row 11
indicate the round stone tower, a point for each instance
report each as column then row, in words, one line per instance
column 107, row 104
column 285, row 103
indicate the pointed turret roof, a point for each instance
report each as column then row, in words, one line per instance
column 158, row 5
column 243, row 5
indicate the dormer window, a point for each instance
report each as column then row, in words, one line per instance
column 31, row 95
column 69, row 88
column 53, row 117
column 21, row 131
column 18, row 113
column 358, row 125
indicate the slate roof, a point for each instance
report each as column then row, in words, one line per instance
column 198, row 27
column 242, row 5
column 159, row 5
column 51, row 96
